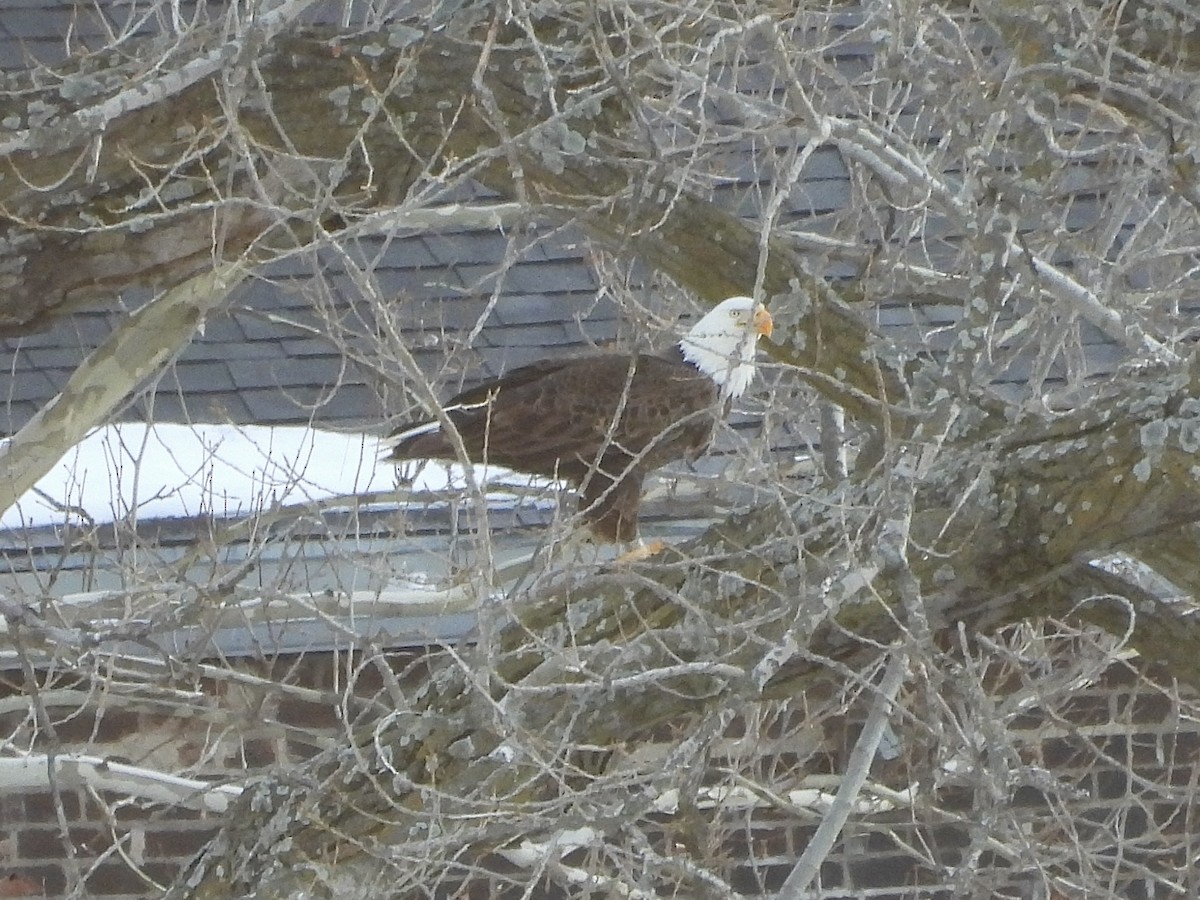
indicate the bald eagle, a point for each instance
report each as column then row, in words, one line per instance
column 602, row 421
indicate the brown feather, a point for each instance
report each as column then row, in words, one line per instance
column 601, row 422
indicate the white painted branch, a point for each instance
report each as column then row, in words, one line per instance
column 93, row 120
column 641, row 679
column 1088, row 306
column 857, row 768
column 368, row 606
column 138, row 348
column 859, row 142
column 452, row 216
column 32, row 772
column 875, row 799
column 529, row 853
column 594, row 883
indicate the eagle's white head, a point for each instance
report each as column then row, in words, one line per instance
column 722, row 344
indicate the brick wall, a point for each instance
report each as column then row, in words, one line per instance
column 155, row 842
column 229, row 730
column 1111, row 767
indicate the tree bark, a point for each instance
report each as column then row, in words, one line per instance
column 1006, row 513
column 345, row 127
column 639, row 652
column 137, row 349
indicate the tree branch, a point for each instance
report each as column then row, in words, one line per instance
column 139, row 347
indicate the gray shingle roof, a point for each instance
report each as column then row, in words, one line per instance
column 270, row 360
column 470, row 303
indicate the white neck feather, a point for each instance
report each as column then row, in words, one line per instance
column 728, row 359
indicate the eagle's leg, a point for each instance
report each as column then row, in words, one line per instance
column 577, row 547
column 610, row 508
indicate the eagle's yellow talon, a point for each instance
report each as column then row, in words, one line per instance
column 639, row 553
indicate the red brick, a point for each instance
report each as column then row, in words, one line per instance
column 1114, row 746
column 1027, row 721
column 302, row 714
column 40, row 808
column 1171, row 818
column 178, row 842
column 1149, row 708
column 117, row 878
column 1088, row 709
column 47, row 843
column 99, row 726
column 12, row 811
column 753, row 880
column 1058, row 753
column 132, row 812
column 49, row 880
column 19, row 884
column 190, row 753
column 300, row 750
column 1112, row 784
column 1147, row 751
column 1120, row 675
column 14, row 721
column 957, row 797
column 257, row 754
column 765, row 843
column 1184, row 746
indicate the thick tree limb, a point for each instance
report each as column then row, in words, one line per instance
column 1006, row 522
column 309, row 117
column 762, row 586
column 24, row 773
column 140, row 346
column 858, row 767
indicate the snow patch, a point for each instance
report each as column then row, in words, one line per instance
column 135, row 470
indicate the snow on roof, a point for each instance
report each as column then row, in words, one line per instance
column 137, row 473
column 134, row 471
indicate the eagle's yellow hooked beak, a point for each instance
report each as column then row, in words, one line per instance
column 763, row 323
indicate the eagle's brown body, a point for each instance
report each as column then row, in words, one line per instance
column 603, row 421
column 600, row 422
